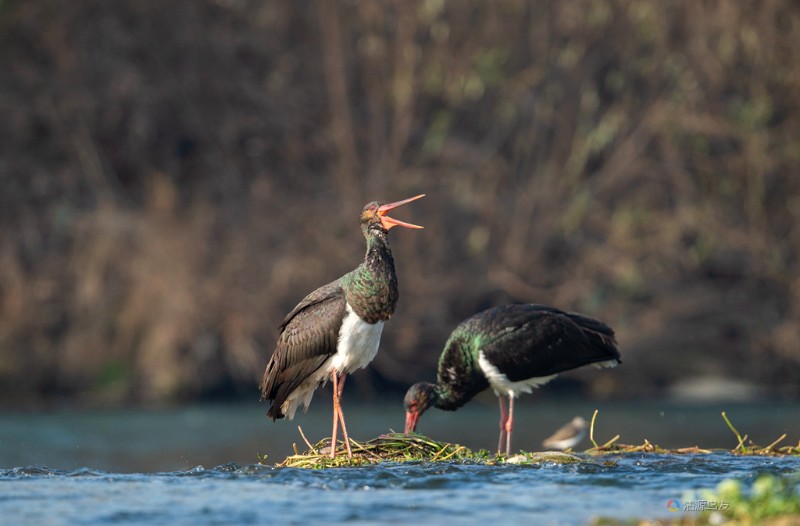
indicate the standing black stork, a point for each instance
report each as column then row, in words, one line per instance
column 336, row 329
column 511, row 349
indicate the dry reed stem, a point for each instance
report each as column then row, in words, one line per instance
column 310, row 447
column 591, row 428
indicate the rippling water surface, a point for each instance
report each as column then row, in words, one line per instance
column 630, row 486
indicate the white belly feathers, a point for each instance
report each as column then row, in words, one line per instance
column 358, row 343
column 503, row 386
column 357, row 346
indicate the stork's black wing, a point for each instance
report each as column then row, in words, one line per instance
column 308, row 337
column 529, row 341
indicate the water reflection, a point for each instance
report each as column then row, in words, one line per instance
column 183, row 438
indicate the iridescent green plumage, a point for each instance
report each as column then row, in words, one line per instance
column 371, row 288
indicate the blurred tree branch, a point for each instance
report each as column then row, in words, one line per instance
column 176, row 178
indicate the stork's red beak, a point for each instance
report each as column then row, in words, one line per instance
column 411, row 421
column 389, row 222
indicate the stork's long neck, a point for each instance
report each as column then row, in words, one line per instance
column 449, row 398
column 460, row 377
column 371, row 289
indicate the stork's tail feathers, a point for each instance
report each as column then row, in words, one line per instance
column 267, row 387
column 601, row 336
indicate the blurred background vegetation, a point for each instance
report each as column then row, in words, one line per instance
column 177, row 176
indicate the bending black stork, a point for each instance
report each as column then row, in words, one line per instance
column 336, row 329
column 511, row 349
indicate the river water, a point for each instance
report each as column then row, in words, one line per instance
column 199, row 466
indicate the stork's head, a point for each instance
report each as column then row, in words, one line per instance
column 419, row 398
column 374, row 215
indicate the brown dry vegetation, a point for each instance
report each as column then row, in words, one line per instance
column 177, row 176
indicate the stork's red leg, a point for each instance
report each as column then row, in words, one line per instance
column 503, row 418
column 341, row 416
column 335, row 377
column 509, row 424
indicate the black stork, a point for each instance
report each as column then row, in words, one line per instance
column 512, row 349
column 336, row 329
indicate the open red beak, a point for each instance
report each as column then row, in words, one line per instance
column 411, row 421
column 389, row 222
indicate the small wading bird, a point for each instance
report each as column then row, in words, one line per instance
column 336, row 329
column 511, row 349
column 567, row 436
